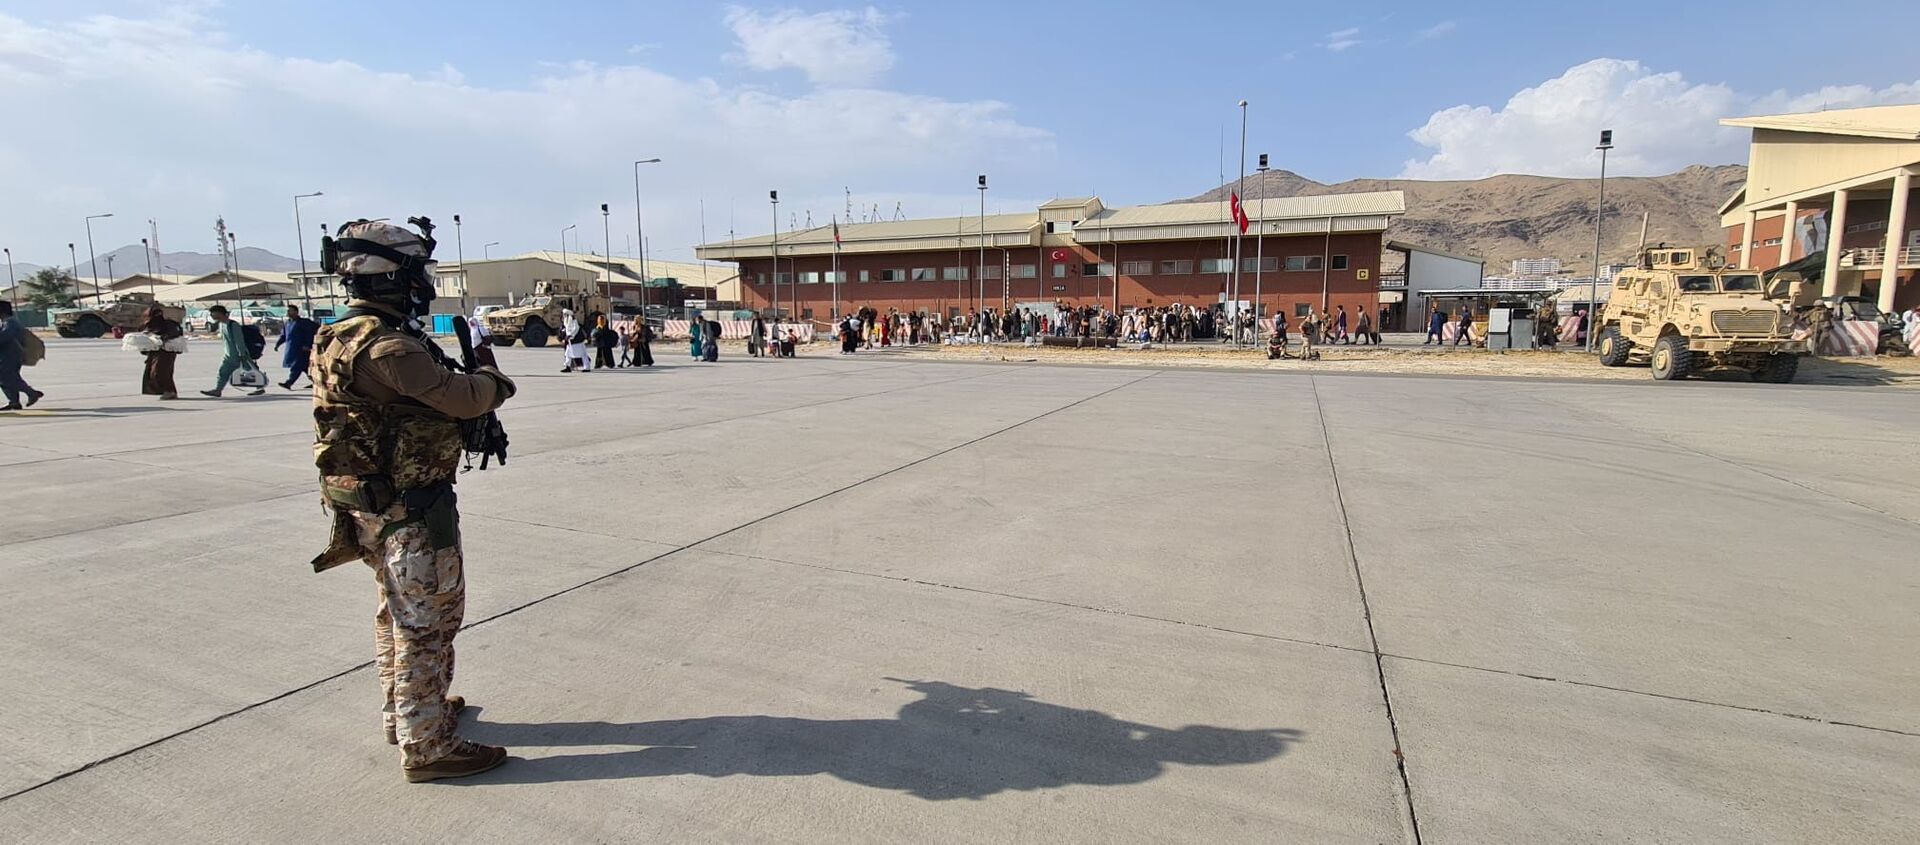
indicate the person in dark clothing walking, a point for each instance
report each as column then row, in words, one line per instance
column 1466, row 328
column 1436, row 326
column 158, row 378
column 12, row 357
column 297, row 337
column 604, row 341
column 642, row 343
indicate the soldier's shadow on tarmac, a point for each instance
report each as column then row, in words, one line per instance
column 957, row 742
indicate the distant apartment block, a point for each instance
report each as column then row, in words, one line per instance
column 1531, row 267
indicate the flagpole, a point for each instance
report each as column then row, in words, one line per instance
column 1238, row 234
column 836, row 268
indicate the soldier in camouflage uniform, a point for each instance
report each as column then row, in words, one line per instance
column 387, row 415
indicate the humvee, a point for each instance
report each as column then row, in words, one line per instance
column 127, row 313
column 1681, row 310
column 537, row 316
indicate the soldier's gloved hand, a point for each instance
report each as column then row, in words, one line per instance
column 506, row 384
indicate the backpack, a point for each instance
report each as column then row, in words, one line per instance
column 33, row 350
column 255, row 341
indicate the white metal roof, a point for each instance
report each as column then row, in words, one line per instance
column 1371, row 203
column 1897, row 122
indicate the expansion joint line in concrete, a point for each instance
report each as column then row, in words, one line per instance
column 1366, row 611
column 582, row 585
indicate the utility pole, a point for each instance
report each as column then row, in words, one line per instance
column 460, row 255
column 606, row 234
column 92, row 262
column 774, row 196
column 640, row 234
column 1259, row 249
column 1233, row 314
column 1599, row 214
column 147, row 253
column 300, row 237
column 981, row 280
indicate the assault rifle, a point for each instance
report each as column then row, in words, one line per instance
column 484, row 435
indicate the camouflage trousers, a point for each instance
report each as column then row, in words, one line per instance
column 423, row 596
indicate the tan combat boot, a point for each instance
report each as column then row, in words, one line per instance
column 468, row 758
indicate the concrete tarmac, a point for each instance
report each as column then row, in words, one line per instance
column 880, row 599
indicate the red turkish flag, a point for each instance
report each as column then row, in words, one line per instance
column 1239, row 214
column 1058, row 255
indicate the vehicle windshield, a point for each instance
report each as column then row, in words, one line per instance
column 1745, row 282
column 1864, row 310
column 1696, row 284
column 540, row 301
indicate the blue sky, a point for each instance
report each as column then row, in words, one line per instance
column 524, row 117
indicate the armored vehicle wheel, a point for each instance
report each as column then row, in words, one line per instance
column 1777, row 369
column 90, row 326
column 65, row 332
column 500, row 340
column 1614, row 348
column 535, row 334
column 1671, row 358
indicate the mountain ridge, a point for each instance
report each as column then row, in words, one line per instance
column 1510, row 216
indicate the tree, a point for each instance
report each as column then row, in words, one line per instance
column 50, row 287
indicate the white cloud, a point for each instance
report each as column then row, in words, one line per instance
column 1437, row 30
column 167, row 118
column 1661, row 123
column 1342, row 39
column 839, row 48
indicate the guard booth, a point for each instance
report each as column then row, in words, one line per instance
column 1502, row 318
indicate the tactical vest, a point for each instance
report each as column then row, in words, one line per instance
column 370, row 455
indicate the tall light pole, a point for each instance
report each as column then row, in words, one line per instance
column 93, row 262
column 148, row 254
column 606, row 235
column 486, row 250
column 300, row 237
column 1233, row 318
column 566, row 267
column 640, row 232
column 13, row 287
column 1259, row 248
column 75, row 258
column 774, row 196
column 980, row 279
column 1599, row 213
column 460, row 255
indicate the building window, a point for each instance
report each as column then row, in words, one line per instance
column 1059, row 271
column 1026, row 271
column 1176, row 268
column 923, row 274
column 1060, row 227
column 806, row 313
column 1303, row 262
column 867, row 276
column 1216, row 265
column 833, row 277
column 1869, row 226
column 892, row 275
column 1339, row 262
column 783, row 278
column 1136, row 268
column 1734, row 248
column 1265, row 264
column 991, row 271
column 1771, row 242
column 811, row 277
column 1096, row 270
column 953, row 274
column 1301, row 309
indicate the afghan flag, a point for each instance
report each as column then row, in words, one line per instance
column 1239, row 214
column 836, row 230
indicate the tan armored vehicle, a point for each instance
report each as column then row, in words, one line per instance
column 127, row 313
column 537, row 317
column 1681, row 310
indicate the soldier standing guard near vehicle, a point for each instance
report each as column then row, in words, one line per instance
column 388, row 440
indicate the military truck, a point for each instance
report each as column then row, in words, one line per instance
column 128, row 313
column 537, row 317
column 1682, row 310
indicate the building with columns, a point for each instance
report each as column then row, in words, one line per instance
column 1839, row 181
column 1298, row 252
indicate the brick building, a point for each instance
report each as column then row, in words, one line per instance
column 1845, row 179
column 1313, row 251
